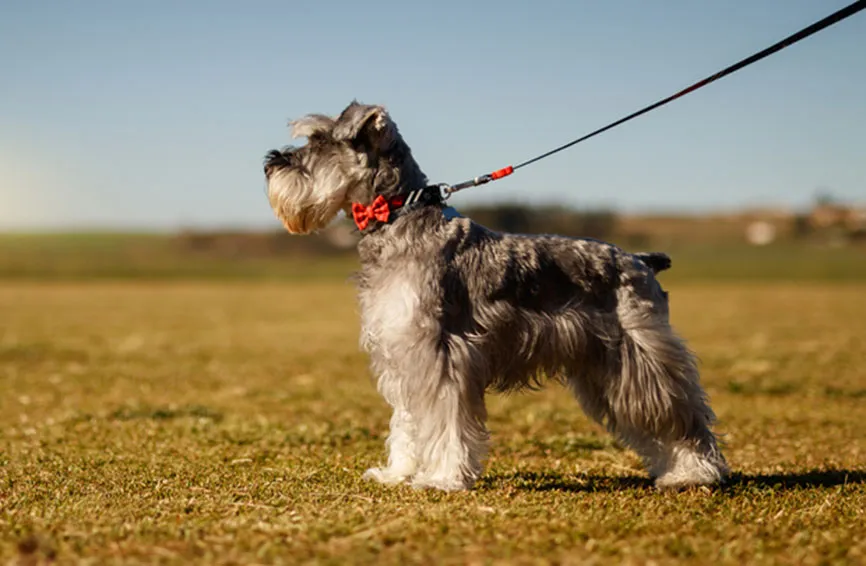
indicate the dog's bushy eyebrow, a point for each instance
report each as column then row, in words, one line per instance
column 311, row 124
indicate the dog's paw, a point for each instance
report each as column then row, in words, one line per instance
column 688, row 468
column 385, row 476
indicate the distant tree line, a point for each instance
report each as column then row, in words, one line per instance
column 522, row 219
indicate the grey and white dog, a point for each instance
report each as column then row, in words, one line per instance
column 451, row 309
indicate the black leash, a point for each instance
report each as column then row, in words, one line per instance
column 790, row 40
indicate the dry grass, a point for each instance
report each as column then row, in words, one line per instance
column 230, row 423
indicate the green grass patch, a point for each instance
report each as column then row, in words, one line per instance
column 165, row 257
column 76, row 257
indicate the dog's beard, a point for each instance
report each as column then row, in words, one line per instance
column 303, row 206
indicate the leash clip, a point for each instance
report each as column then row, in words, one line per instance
column 445, row 191
column 451, row 189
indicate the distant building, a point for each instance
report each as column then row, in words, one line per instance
column 838, row 215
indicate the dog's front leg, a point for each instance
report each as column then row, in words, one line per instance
column 451, row 437
column 401, row 439
column 401, row 451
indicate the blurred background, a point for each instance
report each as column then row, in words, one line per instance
column 132, row 135
column 182, row 379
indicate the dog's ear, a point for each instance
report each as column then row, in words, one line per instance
column 310, row 125
column 370, row 124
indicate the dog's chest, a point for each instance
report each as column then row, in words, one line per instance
column 390, row 310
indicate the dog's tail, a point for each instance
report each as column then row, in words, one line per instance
column 657, row 261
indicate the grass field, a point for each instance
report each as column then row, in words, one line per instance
column 230, row 421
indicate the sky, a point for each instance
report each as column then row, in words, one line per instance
column 157, row 114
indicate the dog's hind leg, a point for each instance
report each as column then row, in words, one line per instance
column 645, row 389
column 658, row 407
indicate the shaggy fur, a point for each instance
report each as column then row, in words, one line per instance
column 451, row 309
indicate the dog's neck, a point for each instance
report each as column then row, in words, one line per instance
column 415, row 234
column 395, row 187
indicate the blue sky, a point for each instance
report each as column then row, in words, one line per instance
column 157, row 114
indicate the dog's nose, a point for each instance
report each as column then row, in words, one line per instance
column 273, row 159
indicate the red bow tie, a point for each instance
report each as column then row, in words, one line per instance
column 379, row 209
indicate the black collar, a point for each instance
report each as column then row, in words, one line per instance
column 382, row 211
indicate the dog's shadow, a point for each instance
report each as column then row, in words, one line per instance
column 735, row 483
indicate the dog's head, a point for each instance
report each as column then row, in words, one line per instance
column 350, row 158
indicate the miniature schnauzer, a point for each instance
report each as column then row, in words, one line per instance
column 451, row 309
